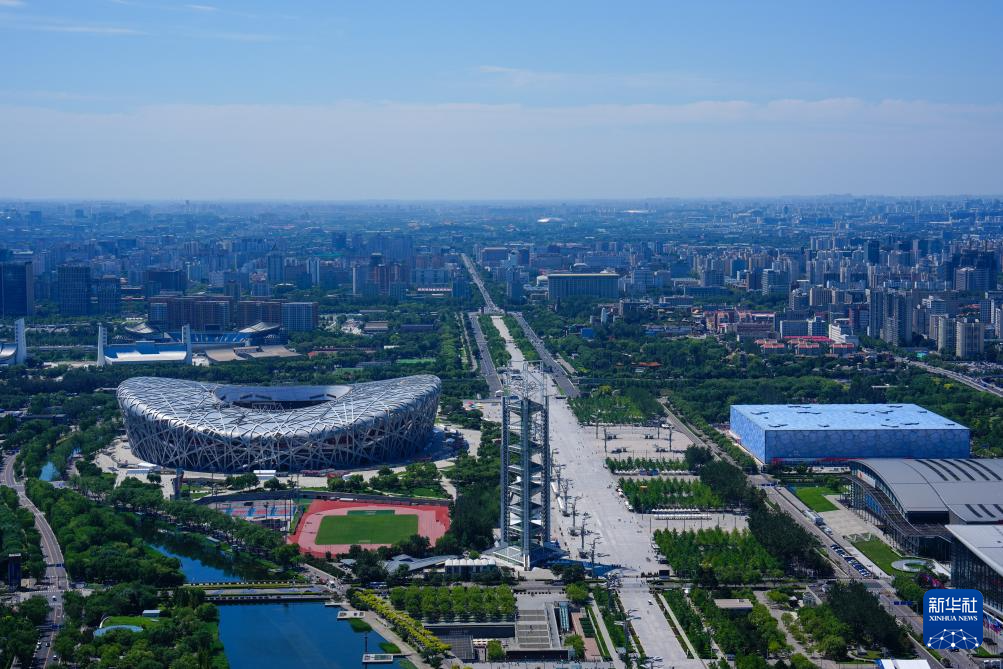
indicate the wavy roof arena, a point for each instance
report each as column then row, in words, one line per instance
column 228, row 428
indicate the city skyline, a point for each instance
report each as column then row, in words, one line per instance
column 172, row 100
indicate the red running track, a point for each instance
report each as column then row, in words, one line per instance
column 433, row 521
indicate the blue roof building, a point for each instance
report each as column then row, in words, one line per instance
column 775, row 433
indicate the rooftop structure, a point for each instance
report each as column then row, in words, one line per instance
column 913, row 499
column 216, row 428
column 959, row 491
column 820, row 432
column 144, row 352
column 977, row 563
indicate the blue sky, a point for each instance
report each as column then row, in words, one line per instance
column 340, row 100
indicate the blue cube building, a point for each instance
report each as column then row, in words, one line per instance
column 775, row 433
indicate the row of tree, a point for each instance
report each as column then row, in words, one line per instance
column 18, row 534
column 631, row 464
column 100, row 545
column 520, row 339
column 496, row 345
column 754, row 634
column 851, row 616
column 714, row 555
column 455, row 603
column 18, row 630
column 648, row 494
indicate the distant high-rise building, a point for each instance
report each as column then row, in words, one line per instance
column 875, row 312
column 108, row 290
column 299, row 316
column 74, row 285
column 276, row 268
column 711, row 277
column 203, row 313
column 818, row 296
column 798, row 300
column 232, row 290
column 602, row 285
column 360, row 275
column 897, row 329
column 250, row 312
column 776, row 282
column 873, row 251
column 970, row 339
column 156, row 281
column 17, row 289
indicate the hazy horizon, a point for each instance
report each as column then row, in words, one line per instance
column 137, row 100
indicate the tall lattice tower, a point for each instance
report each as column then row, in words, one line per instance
column 525, row 473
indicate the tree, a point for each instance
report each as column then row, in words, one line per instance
column 577, row 594
column 35, row 609
column 577, row 644
column 832, row 647
column 496, row 653
column 241, row 481
column 573, row 573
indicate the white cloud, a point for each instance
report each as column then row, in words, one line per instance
column 82, row 28
column 59, row 25
column 527, row 78
column 236, row 36
column 202, row 8
column 354, row 150
column 11, row 3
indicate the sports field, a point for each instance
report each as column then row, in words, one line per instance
column 333, row 526
column 366, row 527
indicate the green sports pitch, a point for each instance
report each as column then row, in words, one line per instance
column 366, row 527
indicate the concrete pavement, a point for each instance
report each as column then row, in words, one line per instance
column 652, row 627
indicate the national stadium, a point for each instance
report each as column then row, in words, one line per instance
column 227, row 429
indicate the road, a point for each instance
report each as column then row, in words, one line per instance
column 487, row 364
column 489, row 304
column 55, row 574
column 557, row 371
column 651, row 626
column 960, row 378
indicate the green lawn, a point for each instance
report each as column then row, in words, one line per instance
column 366, row 528
column 429, row 492
column 814, row 497
column 880, row 554
column 138, row 621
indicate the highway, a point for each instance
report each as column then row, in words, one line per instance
column 56, row 579
column 557, row 371
column 960, row 378
column 489, row 304
column 487, row 364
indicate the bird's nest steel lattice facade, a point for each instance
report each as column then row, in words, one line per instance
column 221, row 428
